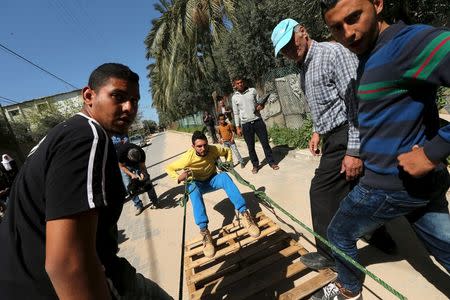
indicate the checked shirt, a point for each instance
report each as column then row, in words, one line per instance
column 328, row 79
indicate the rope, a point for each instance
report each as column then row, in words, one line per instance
column 262, row 196
column 183, row 235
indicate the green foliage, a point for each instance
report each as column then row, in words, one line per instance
column 150, row 126
column 297, row 138
column 190, row 129
column 196, row 47
column 443, row 94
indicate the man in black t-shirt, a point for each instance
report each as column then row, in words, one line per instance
column 134, row 174
column 59, row 236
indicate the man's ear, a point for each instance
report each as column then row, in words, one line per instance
column 378, row 4
column 88, row 95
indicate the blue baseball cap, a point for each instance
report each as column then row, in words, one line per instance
column 282, row 34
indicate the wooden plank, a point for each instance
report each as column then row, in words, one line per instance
column 189, row 272
column 224, row 266
column 233, row 248
column 235, row 224
column 231, row 235
column 223, row 282
column 271, row 277
column 308, row 287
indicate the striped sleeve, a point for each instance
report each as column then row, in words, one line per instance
column 431, row 59
column 431, row 65
column 75, row 180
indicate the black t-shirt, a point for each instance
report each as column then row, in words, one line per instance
column 72, row 170
column 122, row 154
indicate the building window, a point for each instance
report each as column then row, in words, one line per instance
column 42, row 106
column 14, row 113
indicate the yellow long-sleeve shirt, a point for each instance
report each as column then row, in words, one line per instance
column 202, row 167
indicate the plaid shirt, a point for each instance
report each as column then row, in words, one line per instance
column 328, row 79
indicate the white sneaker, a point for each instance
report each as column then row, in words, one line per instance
column 334, row 291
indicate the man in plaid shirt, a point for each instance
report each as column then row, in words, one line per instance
column 327, row 77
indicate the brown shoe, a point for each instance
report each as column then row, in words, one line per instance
column 249, row 224
column 208, row 244
column 255, row 170
column 274, row 166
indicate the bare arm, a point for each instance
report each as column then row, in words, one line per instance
column 71, row 259
column 126, row 171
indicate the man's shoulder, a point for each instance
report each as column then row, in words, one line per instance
column 80, row 125
column 76, row 129
column 335, row 50
column 251, row 90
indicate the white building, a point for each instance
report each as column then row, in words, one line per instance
column 65, row 103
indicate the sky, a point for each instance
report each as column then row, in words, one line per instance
column 70, row 38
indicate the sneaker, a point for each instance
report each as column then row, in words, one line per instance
column 317, row 261
column 139, row 211
column 255, row 170
column 274, row 166
column 334, row 291
column 249, row 224
column 208, row 244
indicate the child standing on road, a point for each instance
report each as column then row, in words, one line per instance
column 227, row 137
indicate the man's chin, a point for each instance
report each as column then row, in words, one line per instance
column 118, row 129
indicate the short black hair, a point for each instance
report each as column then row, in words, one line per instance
column 220, row 115
column 106, row 71
column 326, row 5
column 134, row 155
column 238, row 77
column 198, row 135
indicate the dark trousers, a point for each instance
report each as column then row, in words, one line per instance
column 328, row 186
column 249, row 130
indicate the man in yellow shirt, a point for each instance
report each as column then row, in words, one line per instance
column 199, row 162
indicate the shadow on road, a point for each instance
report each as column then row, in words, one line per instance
column 121, row 236
column 226, row 208
column 169, row 198
column 411, row 249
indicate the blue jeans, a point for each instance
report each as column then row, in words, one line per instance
column 126, row 181
column 136, row 200
column 365, row 209
column 219, row 181
column 234, row 149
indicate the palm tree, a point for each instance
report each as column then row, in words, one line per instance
column 179, row 45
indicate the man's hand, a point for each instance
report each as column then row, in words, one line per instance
column 259, row 107
column 221, row 140
column 415, row 162
column 4, row 192
column 134, row 176
column 239, row 131
column 352, row 166
column 314, row 144
column 184, row 175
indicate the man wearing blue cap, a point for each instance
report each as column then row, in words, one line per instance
column 327, row 74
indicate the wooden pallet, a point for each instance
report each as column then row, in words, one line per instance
column 245, row 267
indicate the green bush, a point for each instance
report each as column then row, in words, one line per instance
column 190, row 129
column 442, row 95
column 297, row 138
